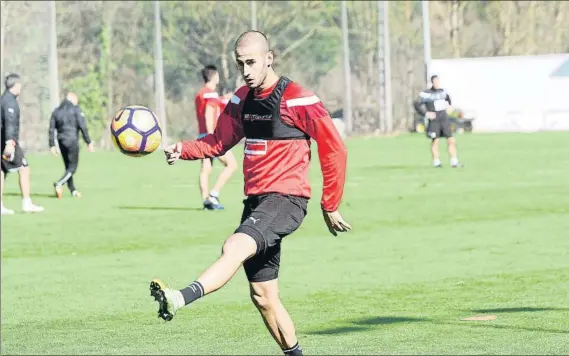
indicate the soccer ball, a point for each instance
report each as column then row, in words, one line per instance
column 135, row 131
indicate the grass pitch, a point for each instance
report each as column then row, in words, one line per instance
column 429, row 248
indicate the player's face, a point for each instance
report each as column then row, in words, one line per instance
column 17, row 88
column 253, row 64
column 215, row 78
column 436, row 83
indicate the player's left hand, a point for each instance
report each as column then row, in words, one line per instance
column 335, row 222
column 173, row 152
column 90, row 147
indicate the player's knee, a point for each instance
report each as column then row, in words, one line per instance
column 239, row 246
column 206, row 169
column 231, row 164
column 265, row 302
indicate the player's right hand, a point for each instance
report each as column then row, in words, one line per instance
column 173, row 152
column 335, row 222
column 431, row 115
column 53, row 150
column 9, row 150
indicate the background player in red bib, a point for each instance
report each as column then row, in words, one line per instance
column 208, row 108
column 278, row 118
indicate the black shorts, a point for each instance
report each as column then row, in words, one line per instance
column 17, row 163
column 439, row 128
column 268, row 218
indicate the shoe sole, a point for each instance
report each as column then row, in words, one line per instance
column 157, row 292
column 59, row 193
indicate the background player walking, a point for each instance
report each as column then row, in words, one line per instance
column 67, row 120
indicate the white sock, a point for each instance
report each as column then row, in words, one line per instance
column 27, row 201
column 454, row 161
column 436, row 162
column 214, row 194
column 178, row 299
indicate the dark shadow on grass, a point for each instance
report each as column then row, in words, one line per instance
column 486, row 324
column 517, row 310
column 41, row 195
column 371, row 324
column 386, row 320
column 366, row 324
column 163, row 208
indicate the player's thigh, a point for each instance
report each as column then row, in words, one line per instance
column 248, row 206
column 264, row 266
column 446, row 129
column 74, row 154
column 19, row 162
column 64, row 150
column 206, row 165
column 433, row 129
column 274, row 217
column 227, row 159
column 268, row 219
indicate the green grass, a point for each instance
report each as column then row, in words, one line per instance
column 429, row 247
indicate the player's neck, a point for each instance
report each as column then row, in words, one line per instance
column 269, row 82
column 211, row 86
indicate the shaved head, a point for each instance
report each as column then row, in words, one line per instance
column 72, row 97
column 254, row 58
column 253, row 38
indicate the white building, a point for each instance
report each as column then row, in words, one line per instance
column 509, row 94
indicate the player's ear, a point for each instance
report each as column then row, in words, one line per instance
column 270, row 58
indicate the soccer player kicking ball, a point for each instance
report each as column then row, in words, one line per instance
column 277, row 117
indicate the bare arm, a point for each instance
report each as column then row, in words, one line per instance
column 209, row 118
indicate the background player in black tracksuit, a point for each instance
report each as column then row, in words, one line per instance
column 67, row 119
column 436, row 102
column 13, row 159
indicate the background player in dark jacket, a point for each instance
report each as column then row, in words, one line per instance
column 13, row 159
column 434, row 103
column 278, row 118
column 67, row 119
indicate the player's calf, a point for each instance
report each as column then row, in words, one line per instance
column 454, row 162
column 236, row 249
column 266, row 298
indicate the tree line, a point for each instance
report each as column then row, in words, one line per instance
column 106, row 51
